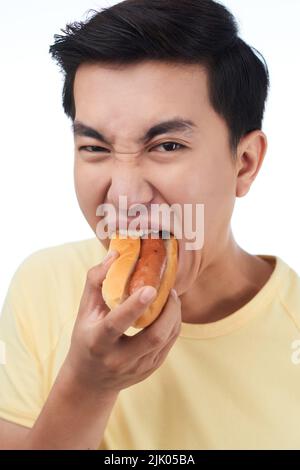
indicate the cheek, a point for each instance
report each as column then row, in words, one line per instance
column 89, row 187
column 209, row 182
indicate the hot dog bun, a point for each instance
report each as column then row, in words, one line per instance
column 131, row 270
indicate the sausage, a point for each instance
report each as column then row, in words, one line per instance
column 150, row 266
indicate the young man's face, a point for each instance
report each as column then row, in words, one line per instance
column 122, row 104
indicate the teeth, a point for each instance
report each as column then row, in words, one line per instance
column 148, row 231
column 129, row 233
column 138, row 233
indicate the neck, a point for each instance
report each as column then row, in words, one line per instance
column 225, row 284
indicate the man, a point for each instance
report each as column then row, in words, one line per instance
column 218, row 368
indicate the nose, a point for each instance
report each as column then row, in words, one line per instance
column 128, row 179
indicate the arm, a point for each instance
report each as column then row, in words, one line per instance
column 72, row 417
column 11, row 435
column 101, row 362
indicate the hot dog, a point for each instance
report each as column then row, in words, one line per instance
column 142, row 261
column 150, row 266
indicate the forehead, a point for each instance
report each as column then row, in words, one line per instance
column 147, row 85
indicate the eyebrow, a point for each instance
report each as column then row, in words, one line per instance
column 171, row 125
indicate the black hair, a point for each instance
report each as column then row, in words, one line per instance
column 200, row 32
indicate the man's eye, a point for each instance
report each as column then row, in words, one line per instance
column 88, row 147
column 170, row 145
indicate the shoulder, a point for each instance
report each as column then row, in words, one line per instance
column 82, row 253
column 55, row 272
column 289, row 292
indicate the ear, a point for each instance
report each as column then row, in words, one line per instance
column 249, row 158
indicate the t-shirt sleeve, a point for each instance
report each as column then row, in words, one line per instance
column 36, row 322
column 22, row 374
column 21, row 391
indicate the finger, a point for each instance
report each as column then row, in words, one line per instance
column 120, row 318
column 92, row 293
column 154, row 336
column 157, row 358
column 153, row 360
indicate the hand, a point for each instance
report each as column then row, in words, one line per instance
column 101, row 356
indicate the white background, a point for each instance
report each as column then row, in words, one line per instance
column 38, row 202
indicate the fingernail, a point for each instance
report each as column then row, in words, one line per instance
column 109, row 255
column 175, row 295
column 147, row 294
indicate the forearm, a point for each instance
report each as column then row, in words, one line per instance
column 72, row 417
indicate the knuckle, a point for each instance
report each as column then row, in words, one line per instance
column 109, row 328
column 156, row 339
column 160, row 359
column 93, row 348
column 111, row 365
column 176, row 325
column 91, row 277
column 139, row 367
column 93, row 344
column 156, row 361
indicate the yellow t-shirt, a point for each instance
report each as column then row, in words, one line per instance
column 230, row 384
